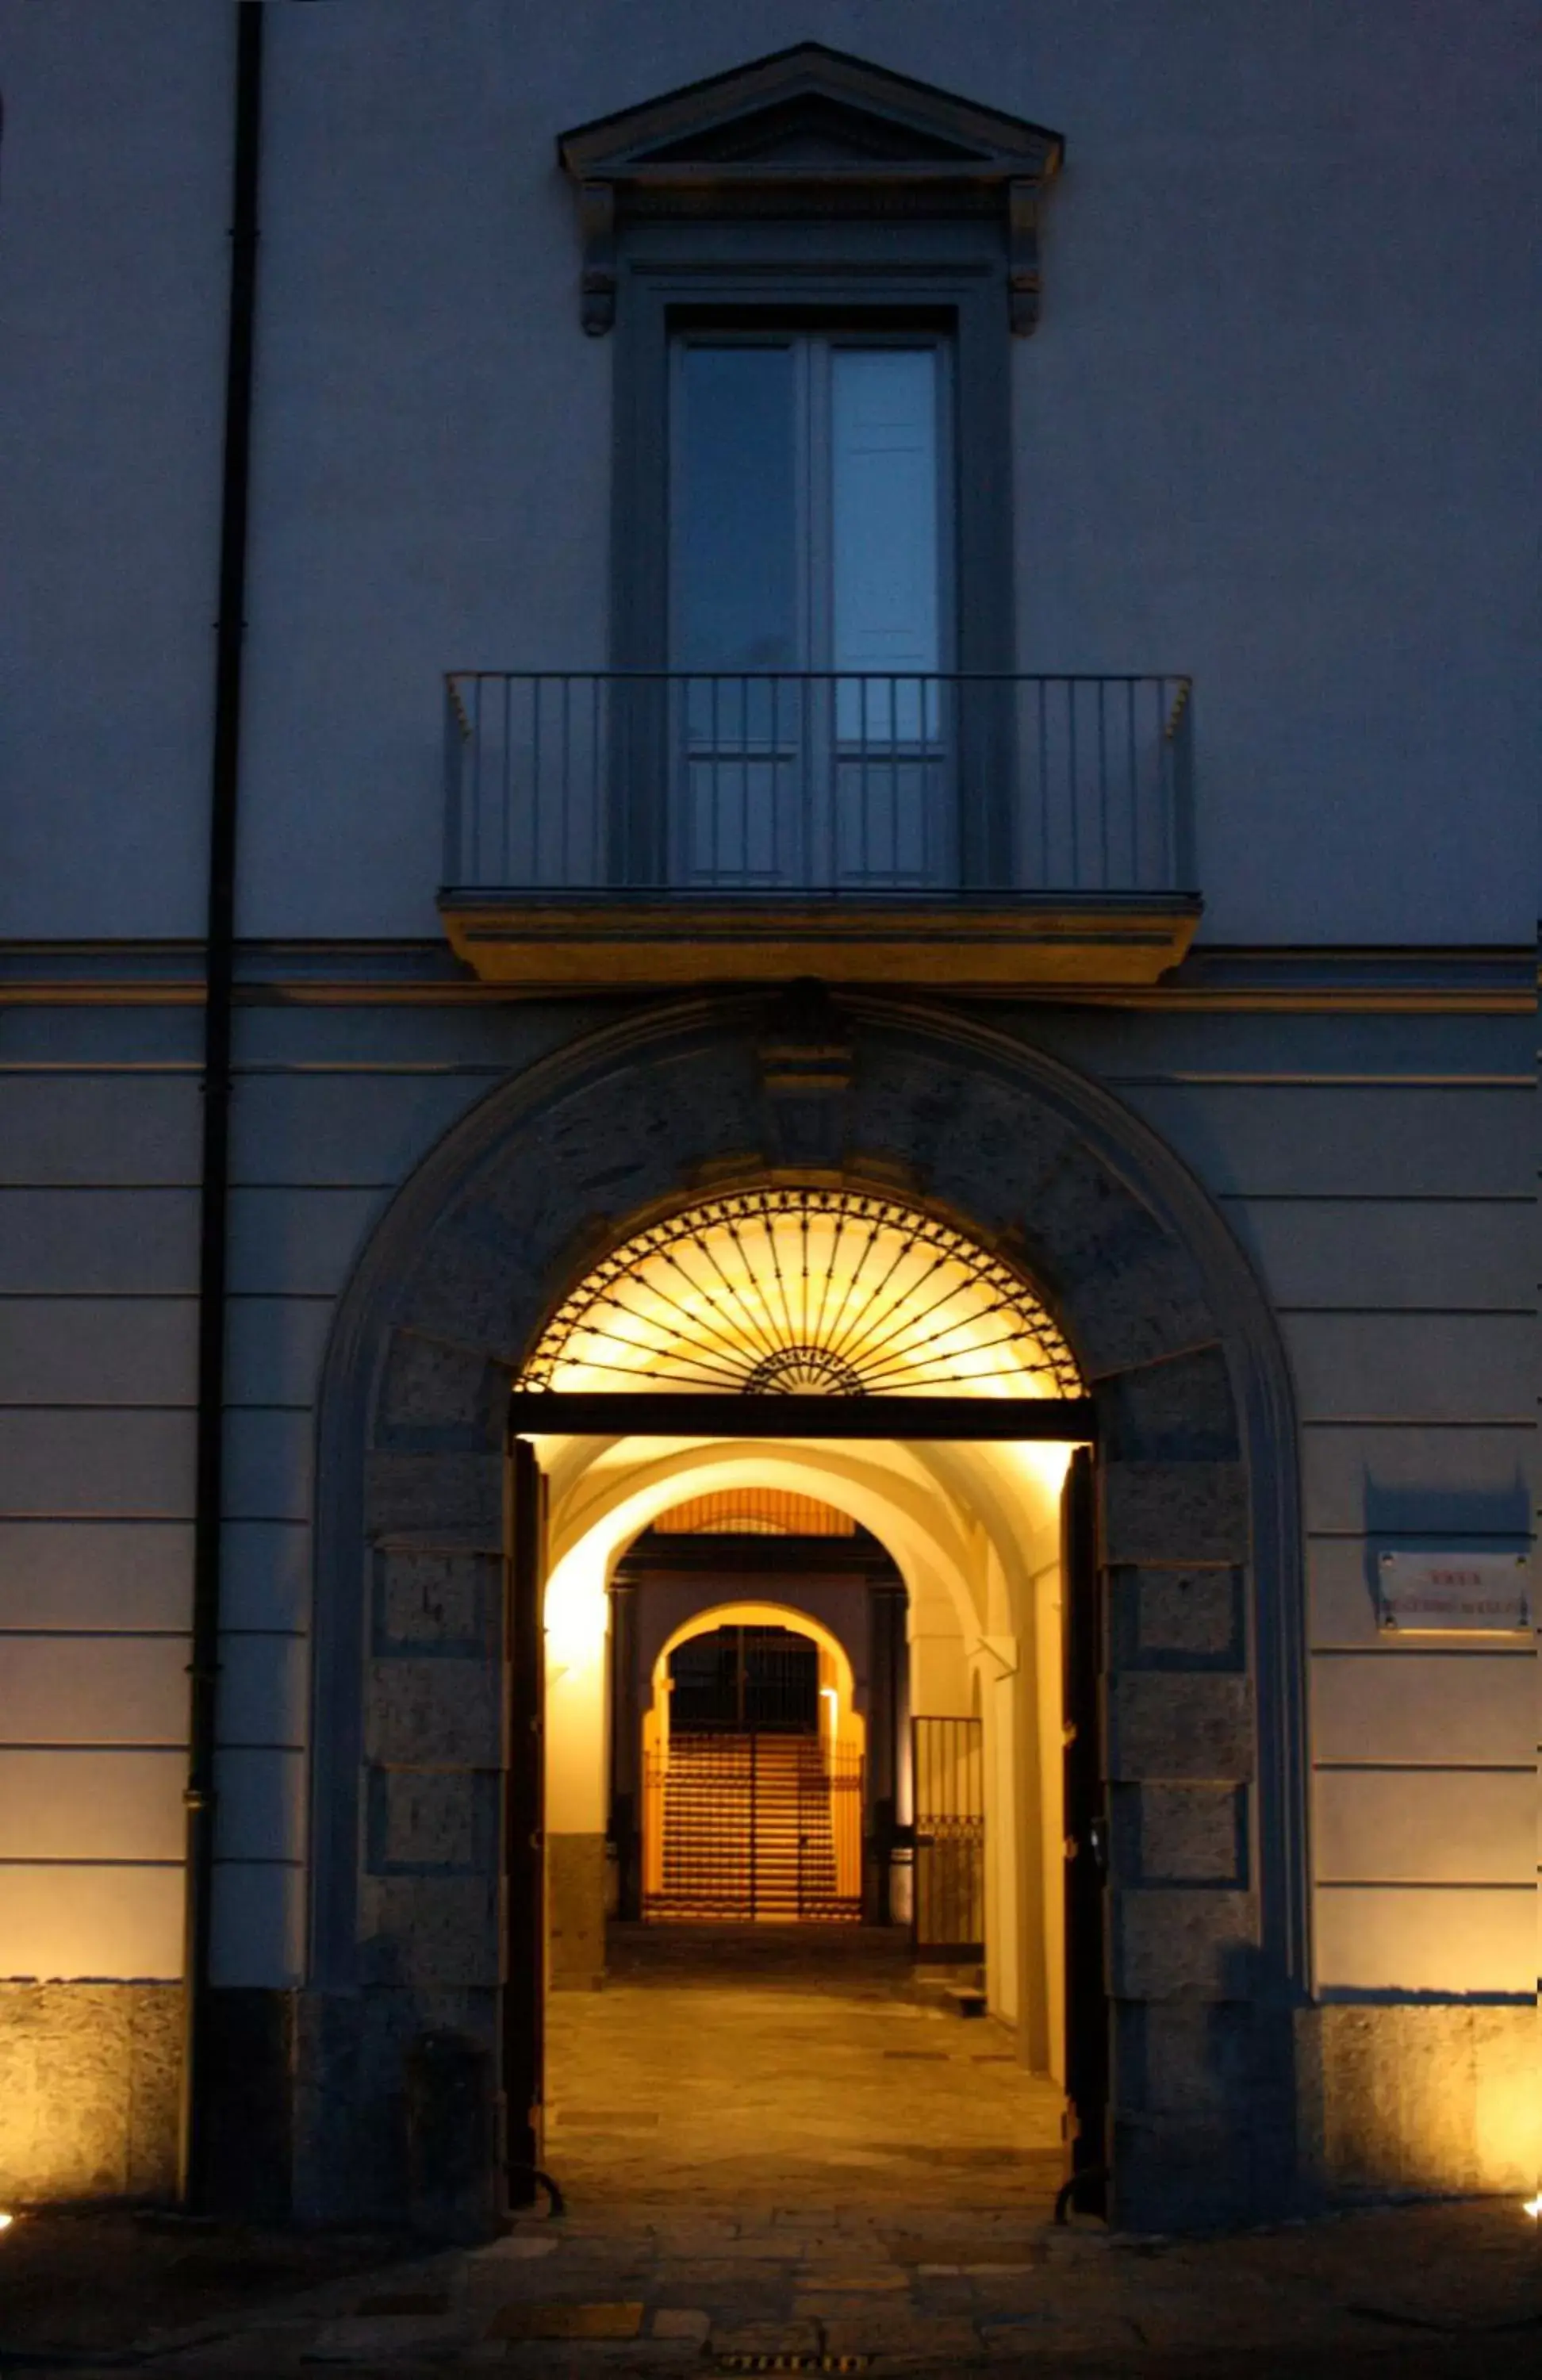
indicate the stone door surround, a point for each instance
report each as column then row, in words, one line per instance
column 1197, row 1522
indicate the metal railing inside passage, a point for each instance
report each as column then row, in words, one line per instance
column 817, row 783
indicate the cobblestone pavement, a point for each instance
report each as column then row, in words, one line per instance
column 1447, row 2292
column 808, row 2173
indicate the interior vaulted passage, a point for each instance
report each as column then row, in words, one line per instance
column 857, row 1719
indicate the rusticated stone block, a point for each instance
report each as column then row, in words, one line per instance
column 1181, row 1834
column 970, row 1140
column 620, row 1151
column 432, row 1385
column 1181, row 1723
column 475, row 1283
column 429, row 1930
column 1136, row 1312
column 432, row 1821
column 446, row 1603
column 1206, row 2058
column 1129, row 1291
column 1179, row 1619
column 1180, row 1409
column 1174, row 1512
column 448, row 1500
column 432, row 1714
column 350, row 2160
column 1173, row 1942
column 1172, row 2173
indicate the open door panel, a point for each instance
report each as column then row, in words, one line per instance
column 1087, row 1841
column 523, row 2045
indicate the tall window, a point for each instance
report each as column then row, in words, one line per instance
column 810, row 573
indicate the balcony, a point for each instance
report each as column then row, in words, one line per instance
column 981, row 832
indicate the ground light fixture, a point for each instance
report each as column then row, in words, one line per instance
column 6, row 2221
column 1533, row 2207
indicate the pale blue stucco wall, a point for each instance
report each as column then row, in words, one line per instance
column 1273, row 428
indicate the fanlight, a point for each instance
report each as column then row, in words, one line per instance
column 804, row 1293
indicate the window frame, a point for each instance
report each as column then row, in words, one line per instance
column 814, row 470
column 840, row 278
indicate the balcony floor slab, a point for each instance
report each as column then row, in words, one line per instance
column 543, row 943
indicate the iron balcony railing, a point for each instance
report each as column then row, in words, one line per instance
column 816, row 783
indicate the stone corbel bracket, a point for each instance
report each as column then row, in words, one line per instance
column 596, row 285
column 1023, row 276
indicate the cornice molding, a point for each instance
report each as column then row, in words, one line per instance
column 1493, row 979
column 807, row 131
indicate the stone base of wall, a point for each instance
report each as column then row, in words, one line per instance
column 89, row 2090
column 352, row 2155
column 1420, row 2098
column 575, row 1912
column 1401, row 2098
column 248, row 2076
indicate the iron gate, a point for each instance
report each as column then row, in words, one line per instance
column 948, row 1790
column 752, row 1825
column 739, row 1678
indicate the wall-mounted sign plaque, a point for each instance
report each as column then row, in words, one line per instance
column 1467, row 1593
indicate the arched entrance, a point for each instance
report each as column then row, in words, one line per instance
column 1197, row 1688
column 693, row 2029
column 751, row 1769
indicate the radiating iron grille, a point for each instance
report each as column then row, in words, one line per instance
column 793, row 1292
column 948, row 1770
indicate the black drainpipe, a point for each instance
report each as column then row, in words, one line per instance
column 194, row 2130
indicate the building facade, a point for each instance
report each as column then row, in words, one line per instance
column 849, row 621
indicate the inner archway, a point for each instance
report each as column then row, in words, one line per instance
column 752, row 1759
column 966, row 1535
column 731, row 1806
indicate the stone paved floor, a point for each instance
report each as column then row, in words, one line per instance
column 751, row 2067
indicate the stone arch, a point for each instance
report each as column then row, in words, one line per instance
column 791, row 1615
column 1197, row 1522
column 913, row 1522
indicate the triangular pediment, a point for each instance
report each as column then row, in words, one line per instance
column 812, row 129
column 805, row 114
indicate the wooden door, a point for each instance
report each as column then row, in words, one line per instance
column 522, row 2059
column 1087, row 1840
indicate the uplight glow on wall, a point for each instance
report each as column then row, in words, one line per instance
column 804, row 1291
